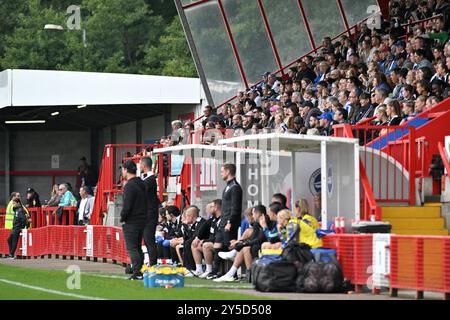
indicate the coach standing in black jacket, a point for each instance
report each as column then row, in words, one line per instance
column 151, row 195
column 134, row 216
column 231, row 205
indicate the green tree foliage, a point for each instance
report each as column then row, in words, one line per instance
column 172, row 56
column 139, row 36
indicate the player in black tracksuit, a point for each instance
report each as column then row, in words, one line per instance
column 21, row 221
column 153, row 203
column 198, row 228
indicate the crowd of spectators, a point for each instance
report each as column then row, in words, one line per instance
column 381, row 77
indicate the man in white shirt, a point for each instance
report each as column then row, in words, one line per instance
column 86, row 206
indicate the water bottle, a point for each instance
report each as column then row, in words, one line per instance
column 146, row 279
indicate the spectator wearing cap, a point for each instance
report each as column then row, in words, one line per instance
column 133, row 216
column 265, row 80
column 32, row 199
column 326, row 124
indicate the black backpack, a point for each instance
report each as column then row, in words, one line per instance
column 319, row 277
column 297, row 253
column 273, row 275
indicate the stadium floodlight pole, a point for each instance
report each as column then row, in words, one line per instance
column 61, row 28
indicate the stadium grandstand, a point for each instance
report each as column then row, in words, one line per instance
column 356, row 96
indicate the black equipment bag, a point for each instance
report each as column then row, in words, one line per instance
column 297, row 253
column 273, row 275
column 319, row 277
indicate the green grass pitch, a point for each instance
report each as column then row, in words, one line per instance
column 36, row 284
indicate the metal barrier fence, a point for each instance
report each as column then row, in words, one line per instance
column 420, row 263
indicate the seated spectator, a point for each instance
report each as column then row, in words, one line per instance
column 382, row 118
column 408, row 112
column 299, row 125
column 67, row 198
column 55, row 197
column 326, row 124
column 341, row 116
column 420, row 104
column 280, row 125
column 207, row 112
column 394, row 113
column 366, row 110
column 32, row 199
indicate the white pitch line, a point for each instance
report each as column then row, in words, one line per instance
column 61, row 293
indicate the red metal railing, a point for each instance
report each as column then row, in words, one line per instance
column 390, row 158
column 110, row 180
column 410, row 25
column 2, row 217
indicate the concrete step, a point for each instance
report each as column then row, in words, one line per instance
column 417, row 223
column 424, row 232
column 411, row 212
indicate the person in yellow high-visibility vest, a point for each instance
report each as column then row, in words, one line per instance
column 9, row 217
